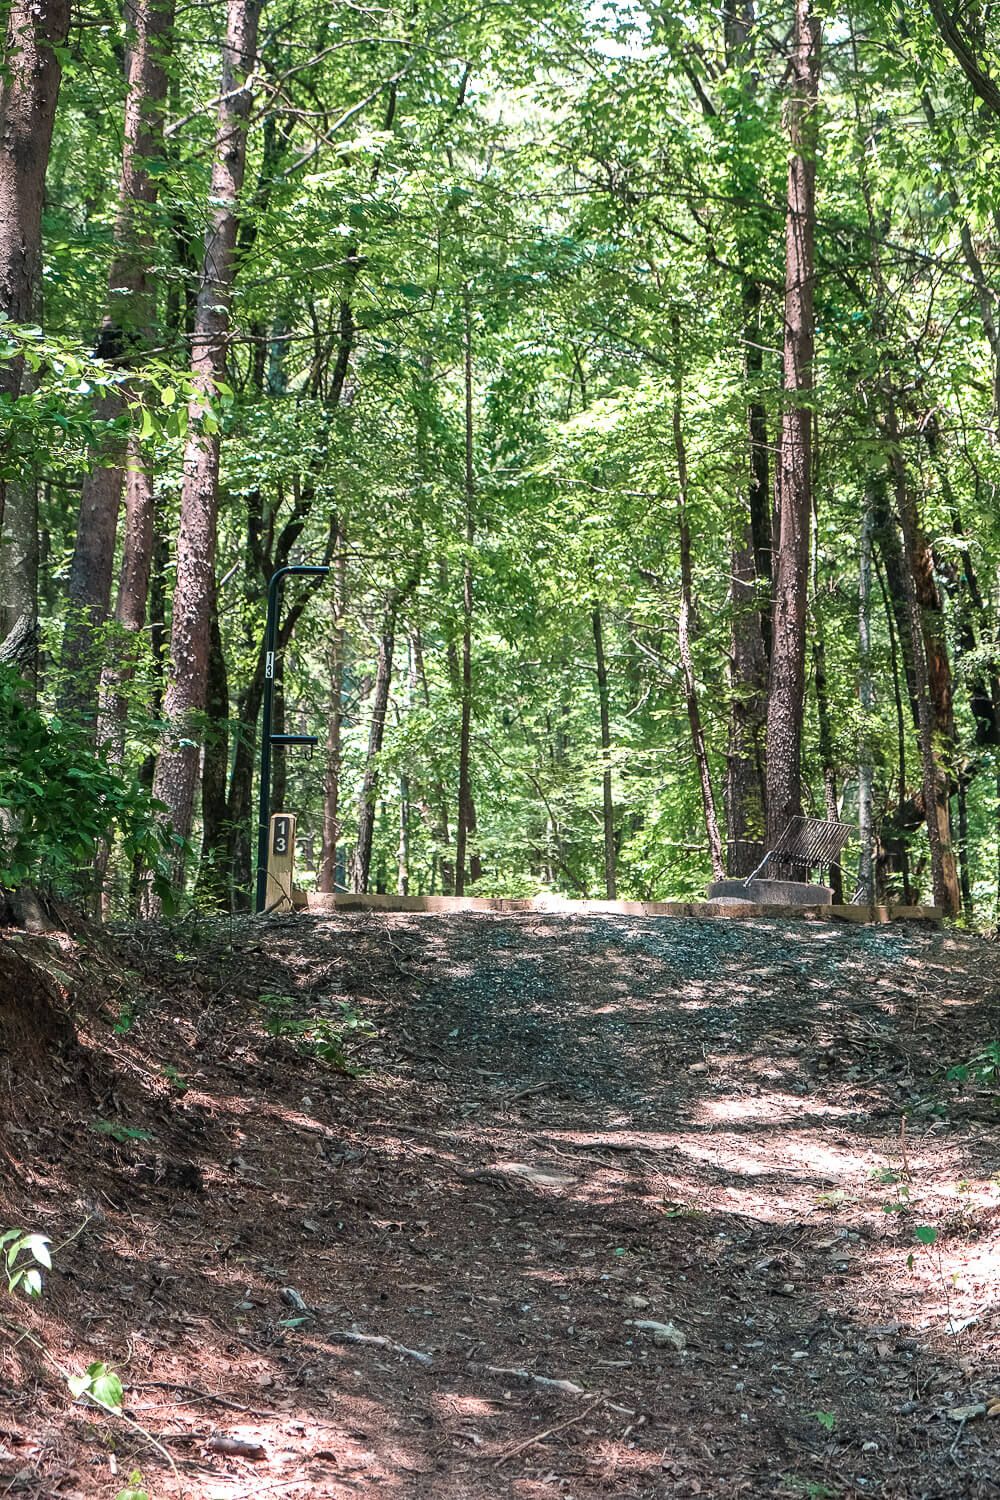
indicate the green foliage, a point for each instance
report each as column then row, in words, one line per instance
column 983, row 1069
column 826, row 1419
column 25, row 1256
column 322, row 1037
column 59, row 799
column 100, row 1385
column 176, row 1080
column 123, row 1134
column 600, row 191
column 135, row 1489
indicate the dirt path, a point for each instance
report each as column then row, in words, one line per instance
column 619, row 1208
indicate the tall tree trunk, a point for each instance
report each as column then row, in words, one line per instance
column 36, row 31
column 19, row 555
column 750, row 559
column 866, row 703
column 466, row 812
column 829, row 770
column 685, row 620
column 327, row 877
column 750, row 566
column 368, row 795
column 933, row 693
column 212, row 882
column 131, row 604
column 786, row 686
column 894, row 566
column 894, row 846
column 610, row 853
column 177, row 768
column 126, row 329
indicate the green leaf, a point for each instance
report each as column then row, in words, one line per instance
column 106, row 1387
column 925, row 1233
column 38, row 1244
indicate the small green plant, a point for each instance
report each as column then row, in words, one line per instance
column 984, row 1068
column 135, row 1489
column 826, row 1419
column 24, row 1258
column 320, row 1037
column 886, row 1176
column 835, row 1198
column 900, row 1205
column 123, row 1134
column 126, row 1019
column 176, row 1080
column 99, row 1383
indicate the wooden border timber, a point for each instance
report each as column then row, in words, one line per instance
column 558, row 905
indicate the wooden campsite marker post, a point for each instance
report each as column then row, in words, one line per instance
column 265, row 833
column 280, row 863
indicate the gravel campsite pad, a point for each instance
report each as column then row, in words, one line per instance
column 615, row 1208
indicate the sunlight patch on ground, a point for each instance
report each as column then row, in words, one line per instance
column 775, row 1107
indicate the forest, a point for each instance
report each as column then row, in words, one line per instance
column 633, row 372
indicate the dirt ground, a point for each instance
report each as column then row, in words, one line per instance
column 616, row 1208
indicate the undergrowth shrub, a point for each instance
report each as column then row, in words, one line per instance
column 59, row 799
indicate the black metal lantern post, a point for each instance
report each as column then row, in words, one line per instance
column 267, row 739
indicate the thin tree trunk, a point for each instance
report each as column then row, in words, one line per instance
column 829, row 770
column 466, row 814
column 750, row 558
column 212, row 880
column 944, row 875
column 177, row 768
column 327, row 876
column 750, row 565
column 610, row 853
column 368, row 795
column 786, row 686
column 899, row 850
column 685, row 618
column 126, row 329
column 894, row 566
column 36, row 31
column 866, row 700
column 403, row 849
column 19, row 554
column 132, row 601
column 964, row 870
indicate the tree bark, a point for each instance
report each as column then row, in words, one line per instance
column 944, row 874
column 126, row 329
column 368, row 795
column 327, row 877
column 610, row 852
column 685, row 618
column 750, row 565
column 177, row 768
column 212, row 882
column 786, row 685
column 866, row 703
column 826, row 753
column 132, row 601
column 36, row 29
column 19, row 553
column 466, row 812
column 750, row 551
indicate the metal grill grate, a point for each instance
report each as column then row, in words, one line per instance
column 806, row 843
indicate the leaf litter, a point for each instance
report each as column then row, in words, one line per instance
column 616, row 1207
